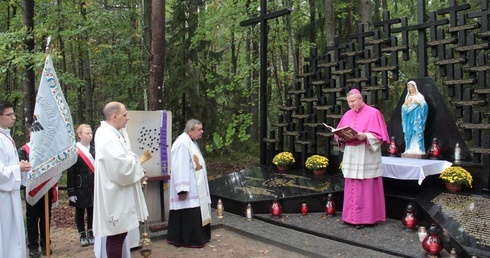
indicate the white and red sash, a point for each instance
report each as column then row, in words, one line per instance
column 84, row 153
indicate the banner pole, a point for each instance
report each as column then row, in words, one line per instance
column 47, row 224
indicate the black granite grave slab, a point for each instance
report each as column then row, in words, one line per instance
column 389, row 237
column 258, row 185
column 464, row 218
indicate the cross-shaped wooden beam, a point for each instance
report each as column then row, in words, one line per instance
column 262, row 19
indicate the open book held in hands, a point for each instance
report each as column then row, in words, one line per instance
column 346, row 132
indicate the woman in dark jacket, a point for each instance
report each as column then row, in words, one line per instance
column 80, row 184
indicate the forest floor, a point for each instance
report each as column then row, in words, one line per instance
column 224, row 243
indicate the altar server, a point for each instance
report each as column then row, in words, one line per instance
column 119, row 203
column 12, row 175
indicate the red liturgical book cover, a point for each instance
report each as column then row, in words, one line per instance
column 346, row 132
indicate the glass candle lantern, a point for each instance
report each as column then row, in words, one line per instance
column 432, row 244
column 276, row 208
column 409, row 221
column 330, row 208
column 304, row 209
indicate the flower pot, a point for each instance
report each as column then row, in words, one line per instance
column 282, row 168
column 319, row 171
column 454, row 188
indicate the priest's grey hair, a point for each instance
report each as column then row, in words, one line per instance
column 189, row 126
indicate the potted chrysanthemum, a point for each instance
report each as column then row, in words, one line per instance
column 283, row 160
column 456, row 177
column 317, row 163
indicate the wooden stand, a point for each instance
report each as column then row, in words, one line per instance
column 163, row 225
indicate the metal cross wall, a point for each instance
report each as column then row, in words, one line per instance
column 262, row 19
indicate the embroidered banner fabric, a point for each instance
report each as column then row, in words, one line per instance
column 53, row 139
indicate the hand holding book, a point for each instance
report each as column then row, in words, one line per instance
column 346, row 132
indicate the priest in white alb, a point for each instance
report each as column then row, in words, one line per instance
column 189, row 222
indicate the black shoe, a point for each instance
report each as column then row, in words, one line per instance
column 50, row 252
column 83, row 242
column 360, row 226
column 83, row 239
column 34, row 253
column 90, row 237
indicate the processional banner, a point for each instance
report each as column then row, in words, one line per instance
column 53, row 148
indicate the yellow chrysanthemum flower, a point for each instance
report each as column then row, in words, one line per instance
column 283, row 159
column 316, row 162
column 457, row 175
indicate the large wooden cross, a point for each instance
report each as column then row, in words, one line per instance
column 262, row 19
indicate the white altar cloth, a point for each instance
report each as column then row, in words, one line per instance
column 412, row 169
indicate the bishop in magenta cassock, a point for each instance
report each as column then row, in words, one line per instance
column 364, row 202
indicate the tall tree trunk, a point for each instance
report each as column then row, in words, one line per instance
column 251, row 57
column 366, row 14
column 86, row 73
column 11, row 12
column 29, row 80
column 192, row 22
column 255, row 94
column 351, row 18
column 157, row 54
column 233, row 53
column 312, row 21
column 329, row 21
column 146, row 49
column 61, row 42
column 377, row 11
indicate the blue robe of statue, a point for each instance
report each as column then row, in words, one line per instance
column 414, row 118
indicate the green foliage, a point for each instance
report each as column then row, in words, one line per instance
column 236, row 131
column 211, row 62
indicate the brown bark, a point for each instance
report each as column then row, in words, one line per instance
column 29, row 79
column 329, row 21
column 146, row 48
column 366, row 14
column 157, row 54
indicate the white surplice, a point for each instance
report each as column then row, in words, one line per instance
column 189, row 174
column 119, row 202
column 12, row 230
